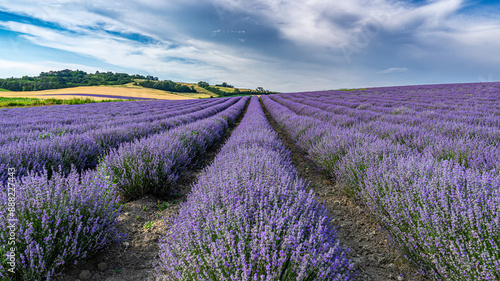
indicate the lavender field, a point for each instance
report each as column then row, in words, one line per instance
column 423, row 161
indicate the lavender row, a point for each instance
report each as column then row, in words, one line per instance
column 444, row 217
column 83, row 151
column 478, row 149
column 434, row 122
column 477, row 107
column 47, row 225
column 450, row 97
column 79, row 113
column 64, row 219
column 150, row 165
column 249, row 217
column 85, row 121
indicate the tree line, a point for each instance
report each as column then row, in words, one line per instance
column 73, row 78
column 220, row 93
column 66, row 79
column 166, row 86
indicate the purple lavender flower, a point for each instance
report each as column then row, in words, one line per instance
column 249, row 217
column 48, row 145
column 150, row 165
column 425, row 160
column 58, row 221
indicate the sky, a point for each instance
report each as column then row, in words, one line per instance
column 286, row 46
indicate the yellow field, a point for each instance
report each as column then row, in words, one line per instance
column 127, row 90
column 201, row 92
column 204, row 93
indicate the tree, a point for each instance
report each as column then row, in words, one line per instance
column 203, row 84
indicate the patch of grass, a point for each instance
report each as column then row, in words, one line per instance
column 148, row 224
column 59, row 133
column 236, row 95
column 163, row 206
column 360, row 89
column 225, row 89
column 4, row 90
column 21, row 102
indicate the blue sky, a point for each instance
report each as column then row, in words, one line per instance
column 293, row 45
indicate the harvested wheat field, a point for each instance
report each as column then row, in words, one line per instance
column 122, row 91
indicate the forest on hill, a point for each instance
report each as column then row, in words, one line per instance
column 68, row 78
column 73, row 78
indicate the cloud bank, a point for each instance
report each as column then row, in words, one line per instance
column 279, row 45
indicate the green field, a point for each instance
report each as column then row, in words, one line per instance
column 348, row 90
column 23, row 102
column 3, row 90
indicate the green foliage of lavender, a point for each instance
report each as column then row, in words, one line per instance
column 12, row 102
column 424, row 159
column 249, row 217
column 58, row 222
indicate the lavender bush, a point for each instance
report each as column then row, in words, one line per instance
column 249, row 217
column 445, row 217
column 59, row 221
column 76, row 119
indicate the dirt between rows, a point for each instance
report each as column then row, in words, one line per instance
column 374, row 256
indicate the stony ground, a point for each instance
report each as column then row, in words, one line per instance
column 142, row 220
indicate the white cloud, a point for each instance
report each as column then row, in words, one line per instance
column 195, row 60
column 393, row 70
column 319, row 28
column 332, row 24
column 17, row 69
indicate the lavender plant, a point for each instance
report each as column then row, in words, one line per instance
column 250, row 218
column 445, row 217
column 57, row 222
